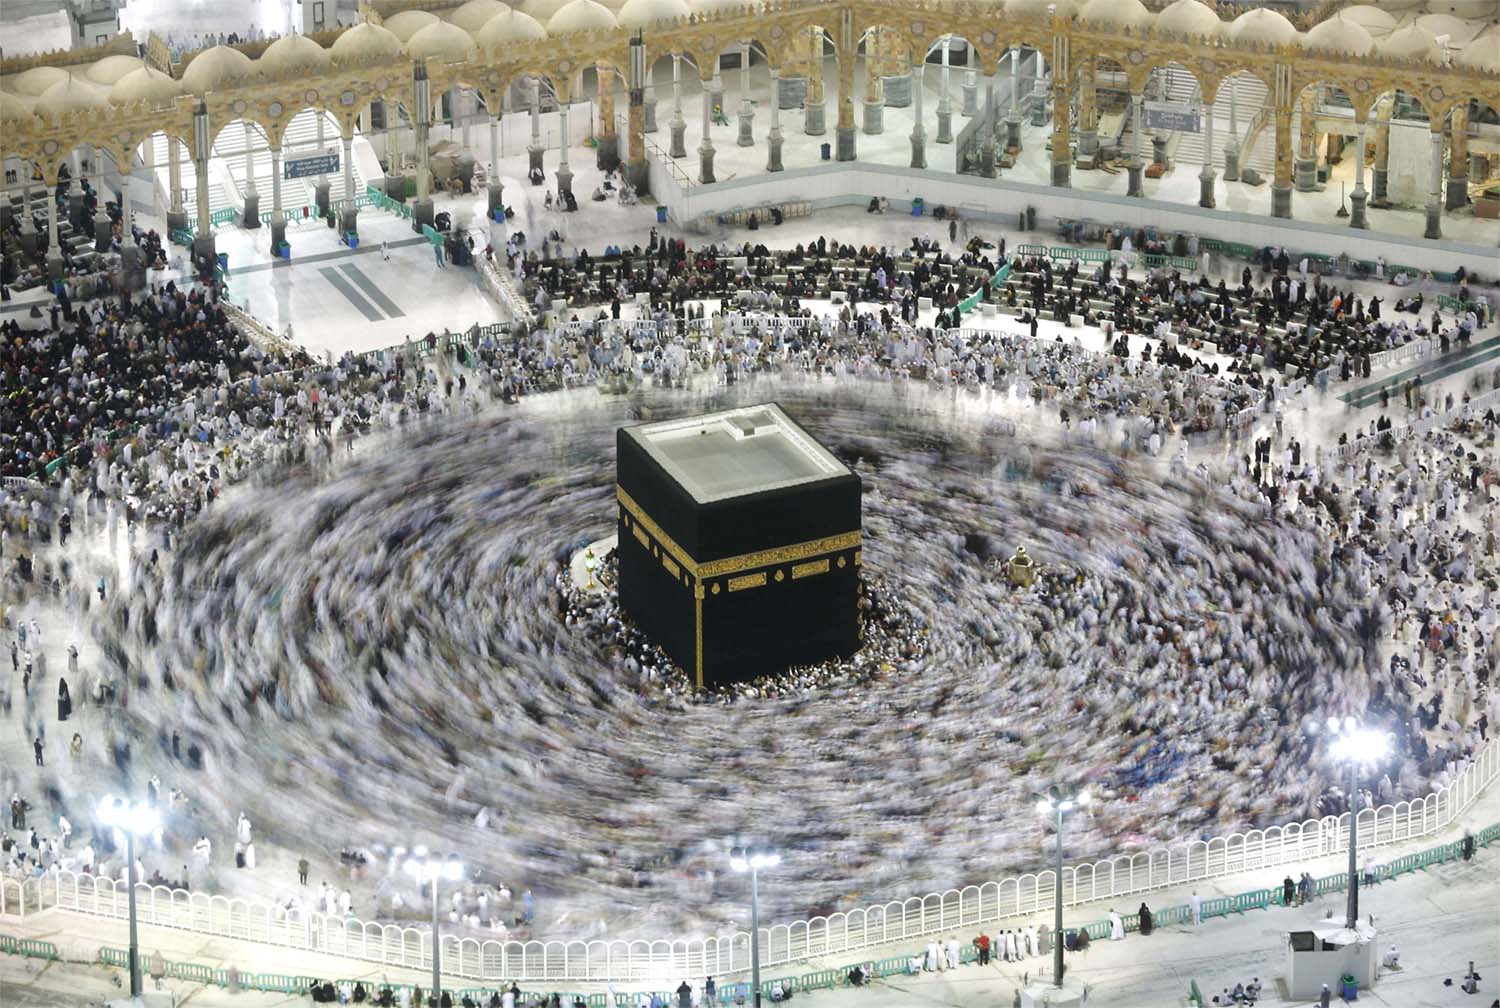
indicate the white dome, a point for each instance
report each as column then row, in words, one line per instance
column 541, row 10
column 1038, row 8
column 1481, row 54
column 16, row 106
column 580, row 16
column 1263, row 27
column 1339, row 35
column 1189, row 17
column 509, row 28
column 1410, row 42
column 292, row 53
column 111, row 68
column 146, row 85
column 1459, row 31
column 408, row 23
column 475, row 14
column 1372, row 19
column 71, row 95
column 442, row 41
column 212, row 67
column 366, row 41
column 36, row 80
column 640, row 13
column 1123, row 13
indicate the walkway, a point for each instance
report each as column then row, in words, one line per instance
column 1431, row 370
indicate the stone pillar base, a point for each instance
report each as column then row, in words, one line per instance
column 639, row 174
column 1458, row 193
column 77, row 214
column 564, row 180
column 1305, row 174
column 1434, row 222
column 494, row 199
column 320, row 197
column 278, row 235
column 844, row 143
column 607, row 154
column 1133, row 185
column 54, row 265
column 176, row 220
column 773, row 150
column 650, row 115
column 349, row 220
column 104, row 233
column 534, row 158
column 250, row 218
column 1231, row 165
column 746, row 137
column 204, row 246
column 132, row 271
column 1378, row 179
column 421, row 213
column 970, row 105
column 395, row 187
column 918, row 151
column 29, row 242
column 705, row 164
column 1012, row 134
column 678, row 129
column 1159, row 151
column 945, row 126
column 815, row 119
column 1281, row 201
column 987, row 158
column 1206, row 191
column 1062, row 174
column 1088, row 143
column 874, row 118
column 1357, row 211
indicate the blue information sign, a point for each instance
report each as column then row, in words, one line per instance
column 311, row 164
column 1176, row 116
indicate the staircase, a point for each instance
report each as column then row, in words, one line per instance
column 1250, row 98
column 1184, row 150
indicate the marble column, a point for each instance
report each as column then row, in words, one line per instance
column 349, row 215
column 77, row 212
column 678, row 126
column 989, row 129
column 747, row 110
column 1435, row 190
column 1379, row 170
column 1088, row 112
column 607, row 153
column 814, row 107
column 1206, row 176
column 919, row 128
column 422, row 210
column 1306, row 169
column 278, row 225
column 945, row 102
column 1013, row 121
column 1062, row 130
column 536, row 150
column 1281, row 187
column 176, row 215
column 103, row 227
column 462, row 102
column 1357, row 197
column 251, row 216
column 54, row 248
column 844, row 149
column 204, row 246
column 494, row 190
column 320, row 189
column 564, row 173
column 706, row 147
column 1458, row 158
column 132, row 270
column 28, row 223
column 874, row 111
column 1137, row 127
column 773, row 138
column 1232, row 145
column 969, row 92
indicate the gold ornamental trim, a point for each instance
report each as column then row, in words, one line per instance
column 810, row 569
column 668, row 543
column 746, row 581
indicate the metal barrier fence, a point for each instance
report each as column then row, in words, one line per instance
column 826, row 979
column 781, row 944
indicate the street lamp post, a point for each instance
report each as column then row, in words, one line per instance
column 429, row 868
column 753, row 861
column 1357, row 747
column 1049, row 804
column 132, row 819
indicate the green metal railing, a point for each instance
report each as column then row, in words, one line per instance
column 223, row 216
column 181, row 236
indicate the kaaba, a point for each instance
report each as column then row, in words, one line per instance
column 739, row 543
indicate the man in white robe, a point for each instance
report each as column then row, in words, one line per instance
column 1196, row 902
column 1116, row 927
column 1012, row 950
column 952, row 950
column 932, row 957
column 1033, row 940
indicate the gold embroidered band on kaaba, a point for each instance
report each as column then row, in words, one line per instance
column 744, row 562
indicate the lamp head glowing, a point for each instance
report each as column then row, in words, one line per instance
column 1361, row 745
column 134, row 817
column 1044, row 806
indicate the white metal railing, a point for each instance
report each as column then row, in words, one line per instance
column 781, row 944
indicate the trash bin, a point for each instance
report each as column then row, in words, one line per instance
column 224, row 261
column 1031, row 218
column 285, row 251
column 917, row 206
column 1349, row 987
column 827, row 150
column 661, row 215
column 352, row 239
column 499, row 214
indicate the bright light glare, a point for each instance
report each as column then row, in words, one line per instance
column 136, row 817
column 765, row 860
column 453, row 869
column 427, row 868
column 739, row 864
column 1044, row 806
column 1364, row 745
column 1084, row 797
